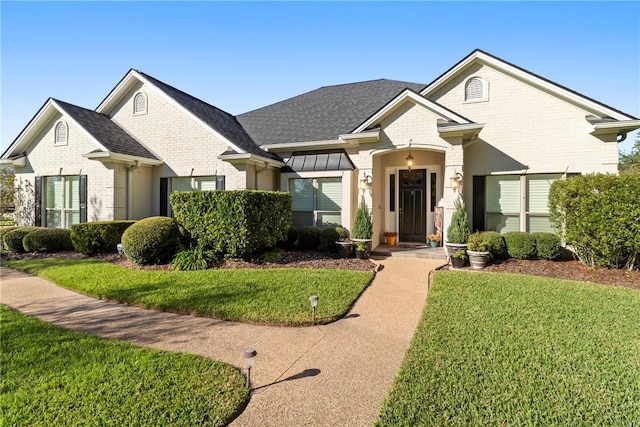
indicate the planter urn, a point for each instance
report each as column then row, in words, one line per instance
column 478, row 260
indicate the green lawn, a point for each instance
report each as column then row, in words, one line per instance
column 264, row 296
column 498, row 349
column 51, row 376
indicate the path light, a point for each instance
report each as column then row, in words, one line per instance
column 313, row 299
column 247, row 359
column 120, row 250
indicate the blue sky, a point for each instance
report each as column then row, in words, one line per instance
column 240, row 56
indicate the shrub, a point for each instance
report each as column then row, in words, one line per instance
column 151, row 240
column 598, row 215
column 3, row 231
column 235, row 223
column 547, row 245
column 328, row 238
column 93, row 237
column 343, row 233
column 520, row 244
column 13, row 239
column 362, row 226
column 309, row 238
column 48, row 240
column 290, row 241
column 496, row 245
column 477, row 242
column 458, row 230
column 195, row 258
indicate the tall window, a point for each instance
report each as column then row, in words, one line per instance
column 62, row 201
column 191, row 183
column 316, row 201
column 475, row 89
column 140, row 103
column 61, row 133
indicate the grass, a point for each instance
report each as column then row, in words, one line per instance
column 51, row 376
column 263, row 296
column 501, row 349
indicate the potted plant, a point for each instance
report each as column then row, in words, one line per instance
column 344, row 245
column 390, row 237
column 458, row 258
column 434, row 240
column 477, row 249
column 362, row 226
column 361, row 250
column 458, row 230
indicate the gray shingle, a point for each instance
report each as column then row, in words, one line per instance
column 322, row 113
column 105, row 131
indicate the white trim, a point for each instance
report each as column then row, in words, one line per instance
column 82, row 129
column 408, row 94
column 614, row 127
column 372, row 135
column 108, row 156
column 484, row 59
column 308, row 145
column 249, row 158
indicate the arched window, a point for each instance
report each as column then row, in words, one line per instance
column 475, row 89
column 140, row 103
column 61, row 134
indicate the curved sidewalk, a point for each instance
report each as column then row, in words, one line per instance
column 337, row 374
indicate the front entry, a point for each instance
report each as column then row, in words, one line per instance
column 413, row 201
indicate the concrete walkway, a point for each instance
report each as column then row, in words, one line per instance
column 332, row 375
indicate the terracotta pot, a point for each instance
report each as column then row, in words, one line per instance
column 391, row 240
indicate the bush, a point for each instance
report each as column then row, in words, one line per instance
column 195, row 258
column 151, row 240
column 235, row 223
column 362, row 226
column 547, row 245
column 290, row 241
column 309, row 238
column 343, row 233
column 477, row 242
column 3, row 231
column 92, row 237
column 598, row 215
column 458, row 230
column 496, row 245
column 12, row 240
column 328, row 238
column 48, row 240
column 520, row 244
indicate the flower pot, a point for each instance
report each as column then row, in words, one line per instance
column 344, row 249
column 361, row 254
column 391, row 240
column 478, row 260
column 458, row 262
column 433, row 243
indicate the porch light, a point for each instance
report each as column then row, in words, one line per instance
column 119, row 248
column 247, row 359
column 456, row 182
column 409, row 161
column 366, row 182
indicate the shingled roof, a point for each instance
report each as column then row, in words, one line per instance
column 323, row 113
column 219, row 120
column 105, row 131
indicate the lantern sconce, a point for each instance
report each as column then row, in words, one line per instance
column 456, row 182
column 366, row 183
column 409, row 158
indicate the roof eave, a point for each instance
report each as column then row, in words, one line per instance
column 308, row 145
column 622, row 126
column 465, row 131
column 362, row 137
column 250, row 158
column 108, row 156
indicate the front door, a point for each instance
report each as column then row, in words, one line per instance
column 413, row 201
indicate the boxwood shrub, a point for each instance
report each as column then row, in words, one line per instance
column 12, row 240
column 93, row 237
column 547, row 245
column 497, row 247
column 520, row 244
column 153, row 240
column 48, row 240
column 235, row 223
column 309, row 238
column 3, row 231
column 328, row 238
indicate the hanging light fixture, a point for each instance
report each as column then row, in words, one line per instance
column 409, row 158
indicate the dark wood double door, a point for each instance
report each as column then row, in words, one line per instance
column 413, row 205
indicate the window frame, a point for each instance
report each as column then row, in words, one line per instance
column 318, row 214
column 56, row 133
column 63, row 210
column 485, row 90
column 140, row 95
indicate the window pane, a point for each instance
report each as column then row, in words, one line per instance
column 503, row 223
column 539, row 224
column 302, row 194
column 72, row 193
column 53, row 219
column 181, row 184
column 206, row 183
column 302, row 219
column 538, row 192
column 54, row 193
column 329, row 219
column 71, row 217
column 503, row 194
column 329, row 194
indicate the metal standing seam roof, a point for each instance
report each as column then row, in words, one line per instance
column 327, row 160
column 105, row 131
column 321, row 114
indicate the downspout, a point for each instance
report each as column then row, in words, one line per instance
column 622, row 137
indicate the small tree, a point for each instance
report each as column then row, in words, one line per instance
column 630, row 163
column 458, row 231
column 362, row 227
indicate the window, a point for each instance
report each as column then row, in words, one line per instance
column 316, row 201
column 61, row 201
column 61, row 134
column 475, row 89
column 191, row 183
column 518, row 203
column 140, row 103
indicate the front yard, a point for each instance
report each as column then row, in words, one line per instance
column 504, row 349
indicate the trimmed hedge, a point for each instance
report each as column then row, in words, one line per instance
column 3, row 232
column 497, row 247
column 13, row 239
column 153, row 240
column 92, row 237
column 547, row 245
column 328, row 238
column 309, row 238
column 48, row 240
column 236, row 223
column 599, row 216
column 520, row 244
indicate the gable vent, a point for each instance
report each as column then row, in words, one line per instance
column 474, row 89
column 139, row 103
column 61, row 133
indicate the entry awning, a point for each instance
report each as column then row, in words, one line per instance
column 326, row 160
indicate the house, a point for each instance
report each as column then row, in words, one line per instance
column 485, row 129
